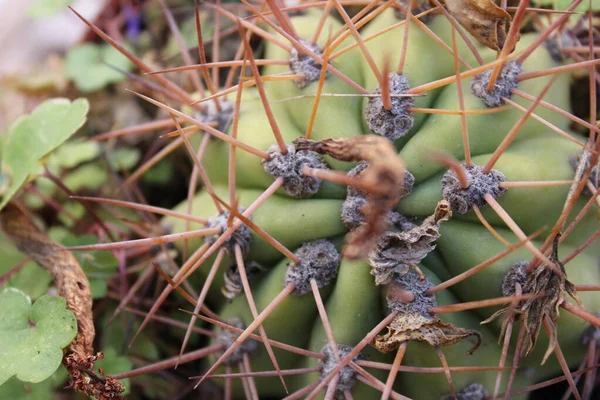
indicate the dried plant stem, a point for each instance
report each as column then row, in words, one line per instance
column 74, row 287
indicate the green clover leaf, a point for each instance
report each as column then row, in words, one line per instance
column 32, row 336
column 33, row 137
column 89, row 66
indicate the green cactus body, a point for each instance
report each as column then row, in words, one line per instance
column 454, row 244
column 343, row 113
column 420, row 66
column 443, row 132
column 353, row 309
column 353, row 301
column 434, row 386
column 280, row 326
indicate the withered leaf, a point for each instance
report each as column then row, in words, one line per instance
column 435, row 332
column 550, row 287
column 415, row 321
column 398, row 252
column 483, row 19
column 232, row 281
column 382, row 181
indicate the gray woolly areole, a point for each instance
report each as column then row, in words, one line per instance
column 422, row 302
column 516, row 274
column 319, row 260
column 241, row 236
column 462, row 200
column 226, row 338
column 211, row 114
column 289, row 166
column 592, row 332
column 347, row 374
column 397, row 121
column 473, row 391
column 352, row 216
column 421, row 7
column 555, row 45
column 305, row 65
column 505, row 83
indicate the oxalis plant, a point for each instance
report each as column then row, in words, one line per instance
column 387, row 199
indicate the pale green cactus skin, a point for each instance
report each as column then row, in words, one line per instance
column 354, row 303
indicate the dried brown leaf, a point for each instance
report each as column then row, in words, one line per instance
column 414, row 321
column 398, row 252
column 483, row 19
column 435, row 332
column 382, row 181
column 549, row 288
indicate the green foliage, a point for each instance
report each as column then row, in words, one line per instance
column 33, row 137
column 123, row 158
column 63, row 161
column 160, row 174
column 89, row 176
column 30, row 278
column 17, row 390
column 47, row 8
column 32, row 336
column 74, row 153
column 117, row 334
column 189, row 35
column 99, row 266
column 14, row 389
column 90, row 66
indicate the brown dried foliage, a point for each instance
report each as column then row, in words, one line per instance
column 73, row 285
column 433, row 331
column 399, row 252
column 483, row 19
column 382, row 181
column 414, row 321
column 85, row 380
column 548, row 288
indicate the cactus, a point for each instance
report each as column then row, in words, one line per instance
column 387, row 207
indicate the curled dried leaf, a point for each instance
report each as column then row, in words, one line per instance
column 382, row 181
column 414, row 321
column 435, row 332
column 232, row 280
column 398, row 252
column 549, row 287
column 483, row 19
